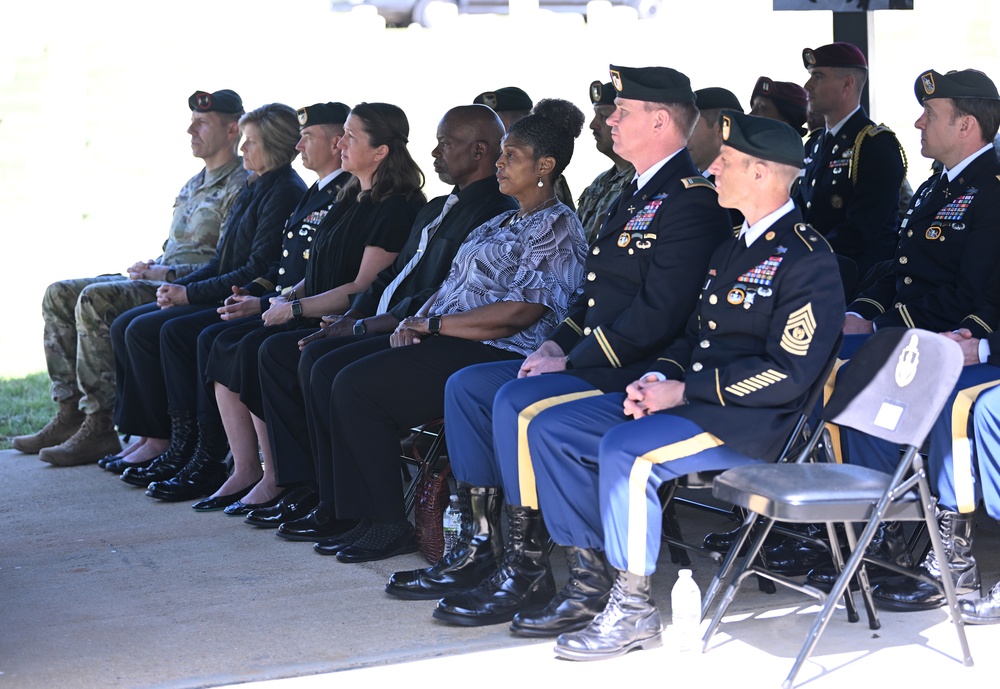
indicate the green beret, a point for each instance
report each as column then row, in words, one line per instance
column 226, row 101
column 652, row 84
column 602, row 94
column 323, row 113
column 714, row 97
column 507, row 98
column 761, row 137
column 968, row 83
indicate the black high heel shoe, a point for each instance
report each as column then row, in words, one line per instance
column 220, row 502
column 240, row 508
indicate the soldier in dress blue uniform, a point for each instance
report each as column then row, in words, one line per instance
column 706, row 139
column 726, row 393
column 944, row 278
column 853, row 169
column 643, row 273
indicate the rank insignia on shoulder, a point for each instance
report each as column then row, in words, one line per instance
column 691, row 182
column 878, row 130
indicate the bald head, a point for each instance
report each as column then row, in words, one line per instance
column 468, row 145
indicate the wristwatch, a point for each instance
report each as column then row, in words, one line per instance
column 359, row 327
column 434, row 324
column 297, row 309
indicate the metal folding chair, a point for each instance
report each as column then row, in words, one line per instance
column 894, row 389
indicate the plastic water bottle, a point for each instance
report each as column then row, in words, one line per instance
column 451, row 522
column 685, row 607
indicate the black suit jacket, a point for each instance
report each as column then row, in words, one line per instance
column 643, row 273
column 477, row 202
column 767, row 321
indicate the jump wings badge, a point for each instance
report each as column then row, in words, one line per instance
column 799, row 331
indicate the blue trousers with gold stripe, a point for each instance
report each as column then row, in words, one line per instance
column 598, row 473
column 986, row 420
column 953, row 471
column 487, row 410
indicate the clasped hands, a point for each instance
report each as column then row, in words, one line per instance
column 649, row 394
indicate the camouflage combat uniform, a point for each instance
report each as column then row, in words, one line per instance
column 597, row 198
column 78, row 313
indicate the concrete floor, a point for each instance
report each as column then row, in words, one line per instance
column 101, row 586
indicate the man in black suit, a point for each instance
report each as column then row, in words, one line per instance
column 726, row 393
column 853, row 168
column 643, row 273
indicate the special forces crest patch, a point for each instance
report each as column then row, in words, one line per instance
column 799, row 331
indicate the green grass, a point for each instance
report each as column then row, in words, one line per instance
column 25, row 406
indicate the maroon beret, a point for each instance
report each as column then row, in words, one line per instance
column 783, row 91
column 835, row 55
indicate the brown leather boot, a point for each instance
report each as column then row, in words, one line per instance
column 64, row 424
column 95, row 439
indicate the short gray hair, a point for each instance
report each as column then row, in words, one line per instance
column 279, row 133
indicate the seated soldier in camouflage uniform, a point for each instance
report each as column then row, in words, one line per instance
column 79, row 312
column 595, row 201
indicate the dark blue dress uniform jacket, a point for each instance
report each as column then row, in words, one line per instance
column 946, row 271
column 642, row 274
column 766, row 324
column 850, row 190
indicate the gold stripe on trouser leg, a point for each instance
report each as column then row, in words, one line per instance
column 961, row 446
column 525, row 469
column 834, row 429
column 637, row 480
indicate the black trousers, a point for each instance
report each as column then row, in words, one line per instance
column 285, row 373
column 376, row 398
column 137, row 337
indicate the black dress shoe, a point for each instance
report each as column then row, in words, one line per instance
column 120, row 464
column 103, row 461
column 381, row 542
column 297, row 503
column 190, row 483
column 321, row 523
column 794, row 558
column 332, row 546
column 241, row 508
column 220, row 502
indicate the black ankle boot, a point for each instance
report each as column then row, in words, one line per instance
column 577, row 603
column 907, row 594
column 183, row 436
column 523, row 581
column 889, row 544
column 470, row 561
column 204, row 472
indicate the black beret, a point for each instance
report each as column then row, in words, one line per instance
column 968, row 83
column 761, row 137
column 602, row 94
column 835, row 55
column 507, row 98
column 323, row 113
column 226, row 101
column 714, row 97
column 653, row 84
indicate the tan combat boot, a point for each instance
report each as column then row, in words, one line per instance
column 61, row 428
column 95, row 439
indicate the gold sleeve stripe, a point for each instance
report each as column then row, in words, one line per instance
column 755, row 383
column 576, row 328
column 266, row 284
column 906, row 316
column 606, row 347
column 873, row 303
column 718, row 388
column 671, row 361
column 979, row 322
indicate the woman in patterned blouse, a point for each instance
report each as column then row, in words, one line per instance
column 512, row 281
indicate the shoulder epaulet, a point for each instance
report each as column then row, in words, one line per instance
column 691, row 182
column 873, row 130
column 811, row 238
column 814, row 132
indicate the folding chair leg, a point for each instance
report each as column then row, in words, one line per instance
column 838, row 563
column 741, row 573
column 727, row 564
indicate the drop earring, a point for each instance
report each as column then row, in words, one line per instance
column 540, row 184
